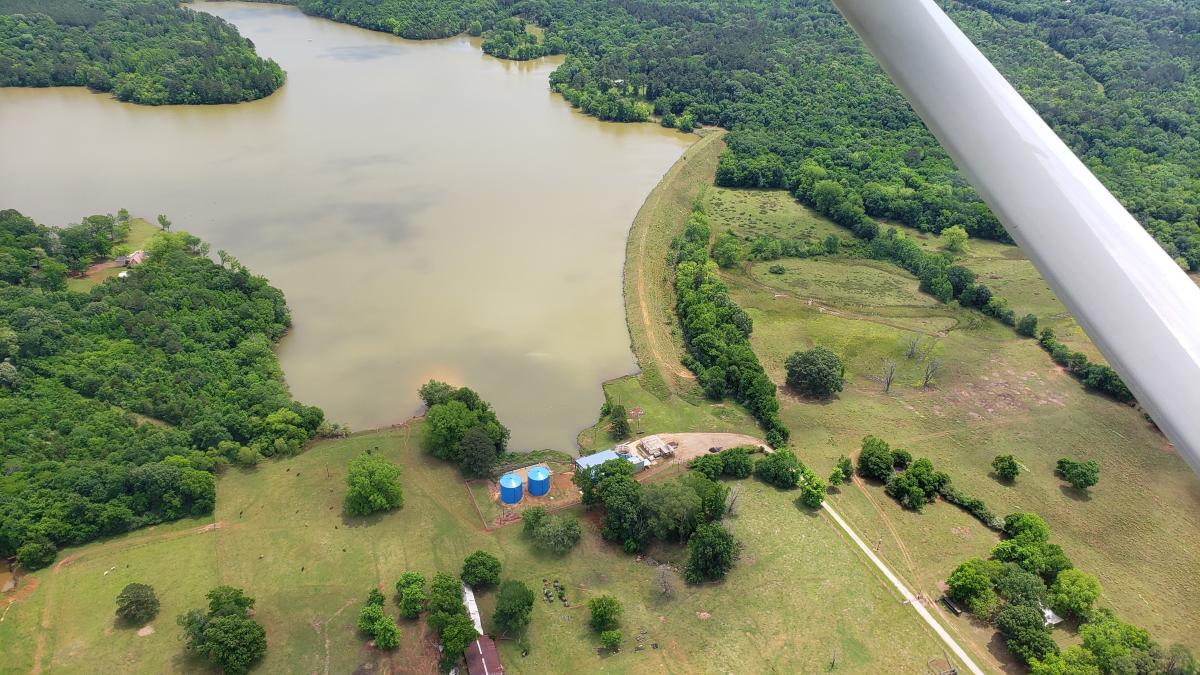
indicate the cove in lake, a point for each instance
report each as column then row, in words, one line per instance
column 429, row 212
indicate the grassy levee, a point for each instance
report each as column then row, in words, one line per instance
column 799, row 596
column 649, row 278
column 665, row 390
column 996, row 393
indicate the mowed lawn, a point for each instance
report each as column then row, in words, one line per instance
column 800, row 596
column 995, row 394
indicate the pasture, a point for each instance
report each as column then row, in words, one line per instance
column 995, row 393
column 798, row 599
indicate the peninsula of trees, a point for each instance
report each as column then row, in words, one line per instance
column 116, row 405
column 144, row 51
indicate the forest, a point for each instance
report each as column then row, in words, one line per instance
column 1117, row 79
column 117, row 405
column 144, row 51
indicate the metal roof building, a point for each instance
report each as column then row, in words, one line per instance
column 482, row 658
column 585, row 463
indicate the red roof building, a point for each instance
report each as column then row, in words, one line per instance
column 482, row 658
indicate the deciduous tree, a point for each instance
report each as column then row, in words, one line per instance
column 137, row 604
column 817, row 372
column 373, row 486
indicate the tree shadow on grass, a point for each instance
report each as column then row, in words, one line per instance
column 1075, row 493
column 351, row 522
column 1006, row 482
column 805, row 510
column 1008, row 662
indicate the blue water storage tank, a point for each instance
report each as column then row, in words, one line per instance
column 510, row 488
column 539, row 481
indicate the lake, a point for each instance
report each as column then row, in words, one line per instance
column 429, row 212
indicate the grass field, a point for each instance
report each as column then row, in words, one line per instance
column 996, row 394
column 799, row 597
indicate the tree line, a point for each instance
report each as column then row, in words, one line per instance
column 144, row 51
column 717, row 331
column 938, row 272
column 117, row 405
column 1026, row 574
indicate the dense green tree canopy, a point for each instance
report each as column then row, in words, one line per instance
column 145, row 51
column 119, row 402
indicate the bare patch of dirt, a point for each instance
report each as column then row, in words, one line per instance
column 145, row 631
column 703, row 616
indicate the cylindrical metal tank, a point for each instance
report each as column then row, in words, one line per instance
column 539, row 481
column 510, row 488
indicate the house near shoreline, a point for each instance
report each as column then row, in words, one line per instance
column 135, row 258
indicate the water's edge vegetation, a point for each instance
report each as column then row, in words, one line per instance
column 118, row 404
column 143, row 51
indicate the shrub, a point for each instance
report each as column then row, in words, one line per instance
column 1081, row 475
column 1027, row 326
column 736, row 462
column 817, row 372
column 901, row 459
column 875, row 460
column 777, row 269
column 611, row 640
column 781, row 469
column 137, row 604
column 481, row 569
column 605, row 613
column 711, row 466
column 1006, row 467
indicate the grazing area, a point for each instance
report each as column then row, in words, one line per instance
column 992, row 393
column 281, row 535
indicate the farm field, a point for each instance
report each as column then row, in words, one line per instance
column 1002, row 267
column 279, row 533
column 995, row 394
